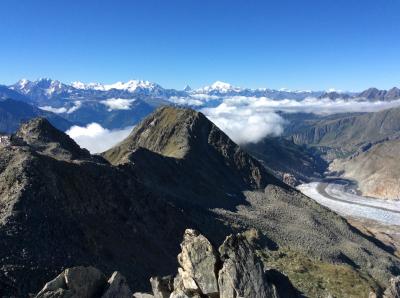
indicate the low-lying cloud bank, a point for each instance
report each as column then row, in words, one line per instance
column 77, row 104
column 117, row 103
column 243, row 124
column 243, row 119
column 96, row 138
column 250, row 119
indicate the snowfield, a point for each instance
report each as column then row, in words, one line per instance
column 337, row 198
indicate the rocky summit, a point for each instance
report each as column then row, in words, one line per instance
column 126, row 210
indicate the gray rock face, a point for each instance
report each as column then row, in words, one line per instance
column 198, row 260
column 235, row 271
column 242, row 273
column 86, row 282
column 142, row 295
column 162, row 286
column 55, row 288
column 118, row 287
column 393, row 291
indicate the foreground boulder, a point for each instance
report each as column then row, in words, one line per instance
column 242, row 273
column 85, row 282
column 199, row 264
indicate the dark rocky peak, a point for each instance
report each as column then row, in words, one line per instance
column 373, row 94
column 197, row 144
column 45, row 138
column 334, row 95
column 187, row 88
column 168, row 131
column 393, row 94
column 376, row 94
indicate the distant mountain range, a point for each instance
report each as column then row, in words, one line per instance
column 43, row 90
column 306, row 136
column 123, row 104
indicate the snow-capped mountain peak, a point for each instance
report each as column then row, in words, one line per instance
column 220, row 87
column 21, row 86
column 87, row 86
column 47, row 86
column 130, row 86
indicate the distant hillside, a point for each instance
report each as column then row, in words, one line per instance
column 13, row 113
column 362, row 146
column 291, row 162
column 376, row 169
column 375, row 94
column 346, row 132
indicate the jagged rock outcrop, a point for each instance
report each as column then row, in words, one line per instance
column 198, row 260
column 242, row 273
column 393, row 291
column 232, row 271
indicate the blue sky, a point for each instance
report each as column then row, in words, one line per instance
column 308, row 44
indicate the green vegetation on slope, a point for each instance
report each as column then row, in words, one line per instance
column 316, row 278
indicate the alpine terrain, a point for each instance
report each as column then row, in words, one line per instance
column 127, row 209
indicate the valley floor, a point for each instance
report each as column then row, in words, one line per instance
column 338, row 195
column 375, row 217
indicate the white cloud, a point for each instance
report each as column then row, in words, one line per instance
column 54, row 110
column 77, row 105
column 249, row 119
column 117, row 103
column 244, row 124
column 205, row 97
column 95, row 138
column 186, row 101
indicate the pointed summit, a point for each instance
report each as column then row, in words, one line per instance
column 47, row 139
column 187, row 88
column 197, row 144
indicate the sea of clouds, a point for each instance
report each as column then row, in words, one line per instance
column 96, row 138
column 243, row 119
column 250, row 119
